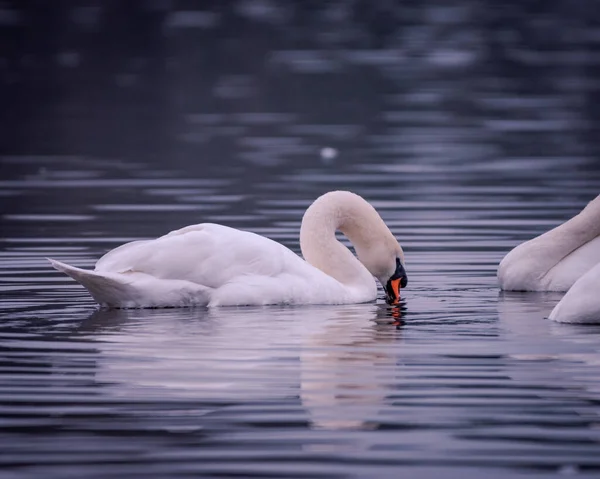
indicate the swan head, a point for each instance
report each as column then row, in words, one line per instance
column 395, row 282
column 386, row 263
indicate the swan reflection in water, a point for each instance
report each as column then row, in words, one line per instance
column 523, row 318
column 347, row 367
column 339, row 360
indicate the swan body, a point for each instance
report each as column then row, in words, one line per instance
column 557, row 259
column 214, row 265
column 581, row 304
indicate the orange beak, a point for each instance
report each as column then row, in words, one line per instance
column 395, row 286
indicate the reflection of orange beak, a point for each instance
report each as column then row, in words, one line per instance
column 395, row 283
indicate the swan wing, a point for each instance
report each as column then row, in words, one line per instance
column 237, row 267
column 207, row 254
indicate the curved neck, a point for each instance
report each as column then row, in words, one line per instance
column 553, row 246
column 361, row 224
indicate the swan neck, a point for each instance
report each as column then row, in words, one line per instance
column 357, row 220
column 553, row 246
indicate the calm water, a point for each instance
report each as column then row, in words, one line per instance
column 472, row 378
column 463, row 160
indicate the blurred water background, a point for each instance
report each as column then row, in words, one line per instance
column 470, row 125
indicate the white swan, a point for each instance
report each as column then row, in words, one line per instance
column 581, row 304
column 213, row 265
column 556, row 259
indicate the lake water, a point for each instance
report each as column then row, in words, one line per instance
column 463, row 160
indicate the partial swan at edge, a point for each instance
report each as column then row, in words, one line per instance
column 555, row 260
column 214, row 265
column 581, row 304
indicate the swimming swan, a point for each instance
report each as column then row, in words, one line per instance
column 214, row 265
column 581, row 304
column 556, row 259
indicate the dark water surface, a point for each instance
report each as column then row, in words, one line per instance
column 463, row 158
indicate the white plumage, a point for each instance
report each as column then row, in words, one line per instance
column 556, row 259
column 565, row 258
column 581, row 304
column 214, row 265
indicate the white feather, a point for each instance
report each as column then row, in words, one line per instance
column 581, row 304
column 556, row 259
column 214, row 265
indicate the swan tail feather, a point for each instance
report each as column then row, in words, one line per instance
column 135, row 289
column 107, row 289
